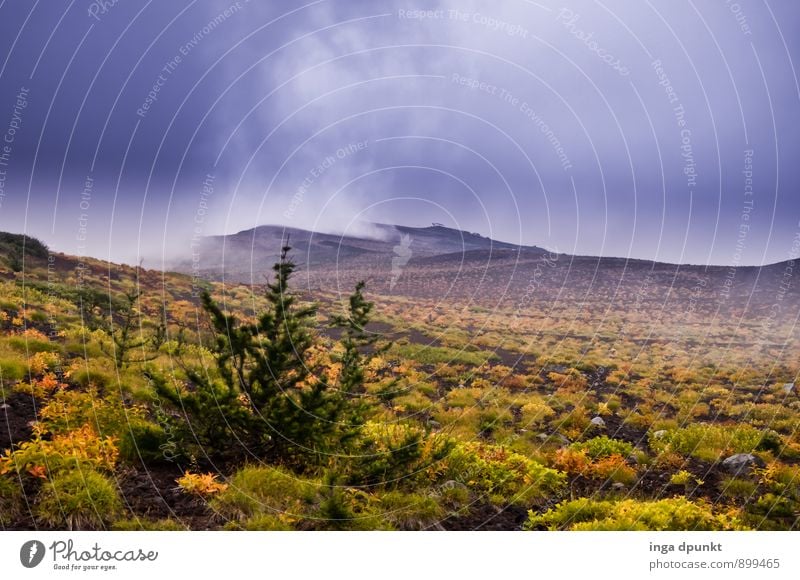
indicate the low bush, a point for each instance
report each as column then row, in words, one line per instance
column 708, row 442
column 500, row 475
column 12, row 370
column 667, row 514
column 201, row 484
column 143, row 441
column 394, row 455
column 10, row 500
column 29, row 345
column 604, row 446
column 737, row 488
column 260, row 523
column 265, row 491
column 80, row 499
column 410, row 511
column 80, row 449
column 140, row 525
column 613, row 468
column 88, row 378
column 432, row 355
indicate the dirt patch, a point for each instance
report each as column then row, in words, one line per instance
column 486, row 517
column 152, row 494
column 17, row 411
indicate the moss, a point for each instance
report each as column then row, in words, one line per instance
column 668, row 514
column 81, row 499
column 143, row 525
column 12, row 370
column 604, row 446
column 32, row 345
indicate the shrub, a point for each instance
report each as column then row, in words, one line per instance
column 260, row 523
column 684, row 478
column 81, row 499
column 708, row 442
column 613, row 468
column 259, row 491
column 202, row 484
column 30, row 345
column 393, row 455
column 88, row 378
column 410, row 511
column 109, row 415
column 736, row 488
column 140, row 525
column 667, row 514
column 604, row 446
column 432, row 355
column 770, row 509
column 782, row 479
column 536, row 412
column 142, row 440
column 74, row 450
column 12, row 370
column 345, row 509
column 502, row 476
column 10, row 500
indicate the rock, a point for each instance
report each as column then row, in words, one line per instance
column 453, row 484
column 555, row 438
column 5, row 406
column 659, row 434
column 560, row 369
column 742, row 463
column 618, row 486
column 788, row 388
column 598, row 422
column 434, row 424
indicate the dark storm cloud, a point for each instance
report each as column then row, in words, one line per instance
column 662, row 130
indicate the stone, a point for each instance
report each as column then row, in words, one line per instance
column 556, row 437
column 742, row 463
column 619, row 486
column 659, row 434
column 789, row 388
column 453, row 484
column 5, row 406
column 598, row 422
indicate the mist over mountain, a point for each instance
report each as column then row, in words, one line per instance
column 438, row 262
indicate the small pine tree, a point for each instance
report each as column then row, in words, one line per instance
column 359, row 348
column 126, row 336
column 266, row 392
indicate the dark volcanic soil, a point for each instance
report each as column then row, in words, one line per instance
column 153, row 494
column 17, row 411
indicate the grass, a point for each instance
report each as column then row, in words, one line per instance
column 663, row 515
column 431, row 355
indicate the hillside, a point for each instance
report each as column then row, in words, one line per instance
column 602, row 394
column 447, row 265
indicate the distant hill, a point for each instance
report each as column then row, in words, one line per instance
column 438, row 262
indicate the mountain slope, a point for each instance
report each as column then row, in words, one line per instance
column 442, row 263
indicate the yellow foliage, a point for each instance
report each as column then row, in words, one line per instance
column 42, row 361
column 65, row 451
column 202, row 484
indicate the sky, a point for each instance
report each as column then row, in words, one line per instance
column 663, row 130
